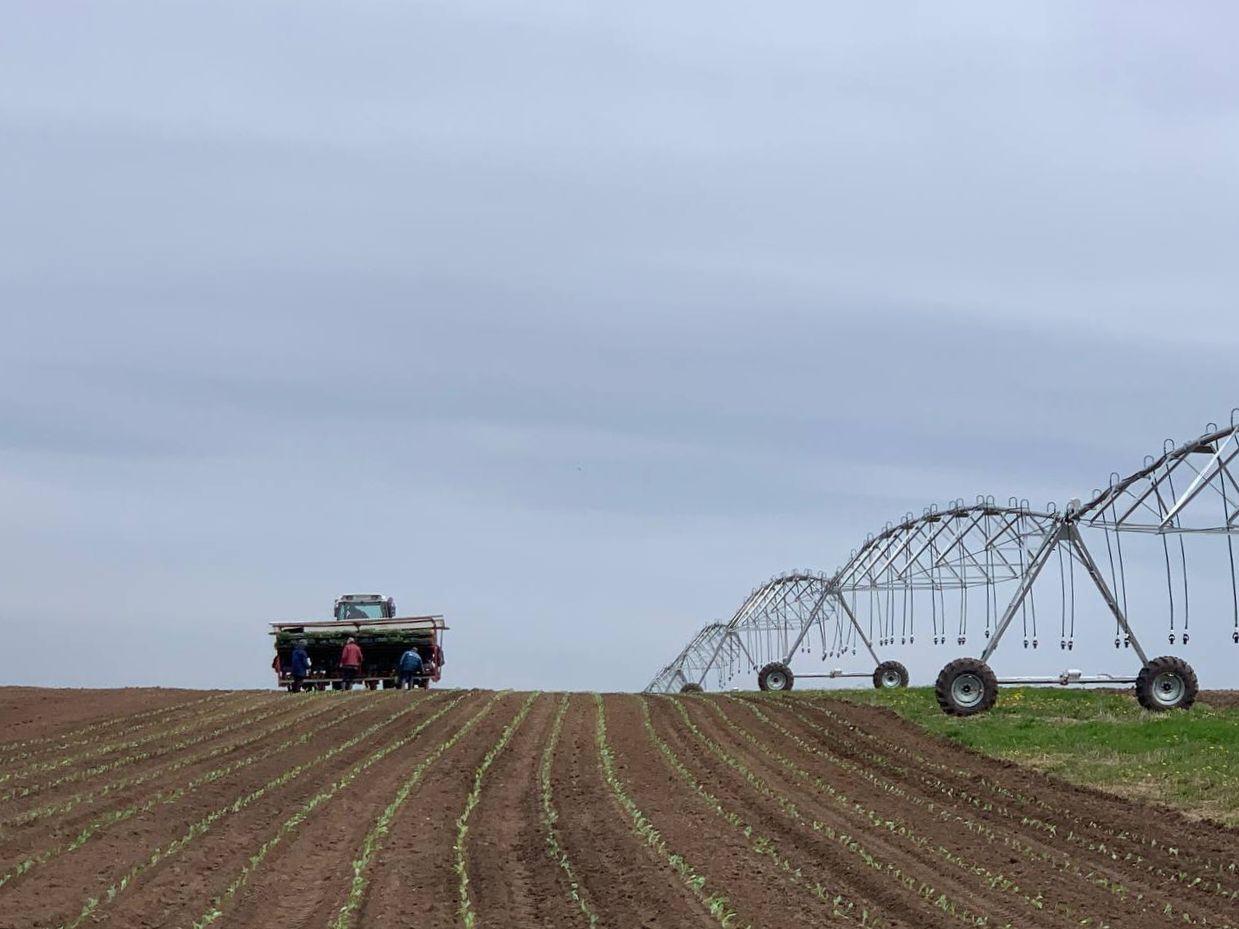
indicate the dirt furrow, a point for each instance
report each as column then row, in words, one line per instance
column 847, row 854
column 1101, row 847
column 1121, row 825
column 225, row 811
column 45, row 839
column 300, row 860
column 627, row 885
column 33, row 717
column 60, row 810
column 19, row 752
column 512, row 880
column 407, row 868
column 968, row 851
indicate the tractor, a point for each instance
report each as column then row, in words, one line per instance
column 383, row 636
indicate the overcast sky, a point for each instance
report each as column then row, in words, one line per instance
column 572, row 321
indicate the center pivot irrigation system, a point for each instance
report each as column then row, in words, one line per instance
column 971, row 565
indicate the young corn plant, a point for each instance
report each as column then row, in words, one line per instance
column 841, row 906
column 465, row 909
column 42, row 767
column 162, row 798
column 847, row 841
column 715, row 902
column 83, row 798
column 216, row 909
column 157, row 751
column 378, row 831
column 1062, row 862
column 876, row 819
column 550, row 816
column 15, row 752
column 204, row 825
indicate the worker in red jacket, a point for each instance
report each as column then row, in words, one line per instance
column 350, row 662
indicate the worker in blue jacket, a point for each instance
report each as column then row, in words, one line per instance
column 410, row 668
column 301, row 665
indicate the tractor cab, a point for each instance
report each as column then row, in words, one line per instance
column 364, row 606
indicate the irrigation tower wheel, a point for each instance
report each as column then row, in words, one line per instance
column 1166, row 683
column 692, row 688
column 890, row 674
column 966, row 686
column 776, row 676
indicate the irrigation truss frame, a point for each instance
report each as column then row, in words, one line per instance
column 875, row 600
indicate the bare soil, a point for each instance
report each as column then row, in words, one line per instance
column 256, row 810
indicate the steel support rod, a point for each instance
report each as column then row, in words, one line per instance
column 1086, row 559
column 1039, row 560
column 855, row 625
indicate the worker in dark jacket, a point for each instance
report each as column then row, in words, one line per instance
column 301, row 665
column 410, row 668
column 350, row 662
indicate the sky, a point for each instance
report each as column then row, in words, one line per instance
column 575, row 322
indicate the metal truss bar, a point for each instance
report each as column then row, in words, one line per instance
column 855, row 625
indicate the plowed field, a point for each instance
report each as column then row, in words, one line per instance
column 467, row 808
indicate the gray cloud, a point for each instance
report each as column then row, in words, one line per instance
column 574, row 324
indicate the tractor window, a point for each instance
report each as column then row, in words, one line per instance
column 359, row 611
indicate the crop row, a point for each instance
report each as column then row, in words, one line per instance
column 882, row 822
column 1060, row 860
column 714, row 901
column 378, row 831
column 166, row 797
column 204, row 825
column 43, row 767
column 1070, row 822
column 124, row 761
column 550, row 816
column 216, row 909
column 68, row 804
column 16, row 751
column 920, row 888
column 466, row 911
column 841, row 907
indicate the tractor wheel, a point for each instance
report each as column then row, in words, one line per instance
column 1166, row 683
column 890, row 674
column 691, row 688
column 966, row 686
column 776, row 676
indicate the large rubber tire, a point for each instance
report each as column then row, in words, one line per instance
column 776, row 676
column 1166, row 683
column 965, row 687
column 691, row 688
column 890, row 674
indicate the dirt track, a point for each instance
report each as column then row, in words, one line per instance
column 470, row 808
